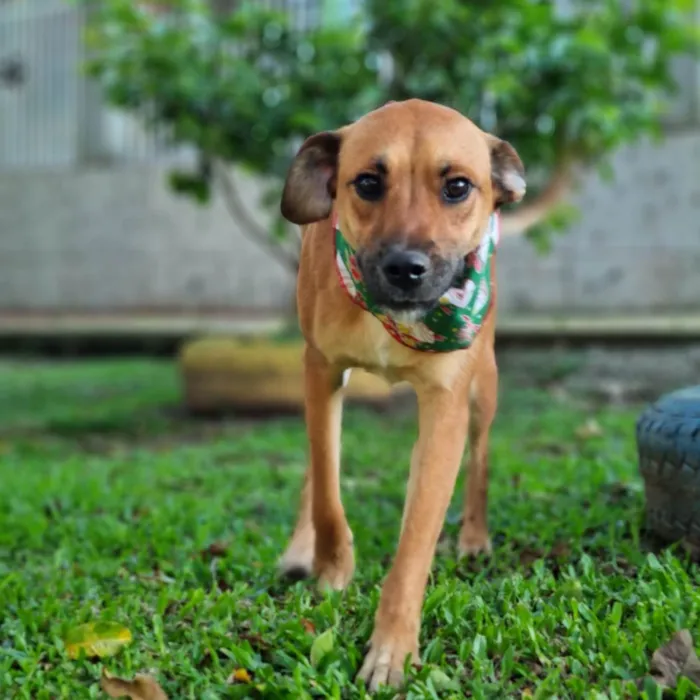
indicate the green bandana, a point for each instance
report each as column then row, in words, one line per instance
column 454, row 322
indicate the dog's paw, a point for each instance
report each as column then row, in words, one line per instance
column 386, row 659
column 297, row 562
column 335, row 572
column 472, row 543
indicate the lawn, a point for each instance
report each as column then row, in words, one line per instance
column 114, row 506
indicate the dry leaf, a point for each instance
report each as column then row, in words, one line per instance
column 529, row 555
column 560, row 549
column 215, row 550
column 674, row 659
column 240, row 675
column 589, row 429
column 143, row 687
column 96, row 639
column 308, row 626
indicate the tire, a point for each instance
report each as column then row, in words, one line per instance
column 668, row 444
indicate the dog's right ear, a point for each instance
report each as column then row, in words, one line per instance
column 312, row 179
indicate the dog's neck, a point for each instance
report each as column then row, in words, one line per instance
column 454, row 322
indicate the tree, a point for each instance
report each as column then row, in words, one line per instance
column 566, row 86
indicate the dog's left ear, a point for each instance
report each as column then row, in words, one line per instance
column 311, row 181
column 507, row 173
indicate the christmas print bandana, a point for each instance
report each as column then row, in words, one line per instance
column 457, row 318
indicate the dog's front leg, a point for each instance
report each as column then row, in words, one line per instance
column 443, row 420
column 322, row 540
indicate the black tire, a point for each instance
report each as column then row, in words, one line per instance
column 668, row 443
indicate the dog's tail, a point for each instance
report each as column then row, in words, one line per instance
column 532, row 213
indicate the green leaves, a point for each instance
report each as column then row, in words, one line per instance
column 441, row 681
column 241, row 86
column 193, row 185
column 322, row 646
column 247, row 86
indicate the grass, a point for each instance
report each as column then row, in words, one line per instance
column 114, row 507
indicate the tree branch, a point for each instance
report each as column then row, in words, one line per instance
column 251, row 228
column 533, row 212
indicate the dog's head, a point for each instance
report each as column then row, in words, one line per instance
column 414, row 184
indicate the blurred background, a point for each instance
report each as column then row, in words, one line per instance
column 143, row 146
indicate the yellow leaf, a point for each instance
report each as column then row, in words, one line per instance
column 240, row 675
column 143, row 687
column 589, row 429
column 96, row 639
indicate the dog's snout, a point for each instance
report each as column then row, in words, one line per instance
column 405, row 269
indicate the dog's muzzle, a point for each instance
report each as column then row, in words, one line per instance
column 402, row 278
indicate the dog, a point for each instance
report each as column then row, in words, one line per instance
column 400, row 212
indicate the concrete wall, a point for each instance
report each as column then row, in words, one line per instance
column 635, row 248
column 116, row 239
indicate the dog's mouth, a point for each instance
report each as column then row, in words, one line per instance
column 408, row 281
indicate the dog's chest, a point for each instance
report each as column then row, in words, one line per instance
column 365, row 343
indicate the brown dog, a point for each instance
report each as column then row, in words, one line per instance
column 412, row 186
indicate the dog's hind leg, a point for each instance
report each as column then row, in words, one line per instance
column 322, row 541
column 297, row 562
column 483, row 397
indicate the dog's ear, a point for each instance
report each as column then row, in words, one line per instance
column 312, row 178
column 507, row 173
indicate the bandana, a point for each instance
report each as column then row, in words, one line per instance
column 457, row 318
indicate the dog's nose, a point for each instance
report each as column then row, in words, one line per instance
column 405, row 269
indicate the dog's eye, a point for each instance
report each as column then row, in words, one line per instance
column 369, row 187
column 456, row 190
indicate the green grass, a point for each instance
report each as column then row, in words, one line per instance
column 110, row 502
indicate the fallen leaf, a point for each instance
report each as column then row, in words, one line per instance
column 215, row 550
column 589, row 429
column 96, row 639
column 529, row 555
column 322, row 645
column 255, row 640
column 617, row 492
column 536, row 668
column 143, row 687
column 560, row 549
column 619, row 565
column 308, row 626
column 675, row 659
column 441, row 681
column 240, row 675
